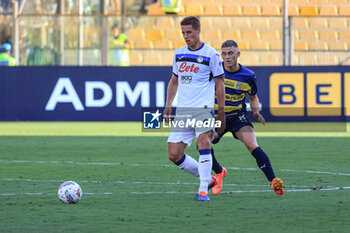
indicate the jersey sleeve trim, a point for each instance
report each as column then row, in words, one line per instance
column 175, row 75
column 252, row 93
column 219, row 76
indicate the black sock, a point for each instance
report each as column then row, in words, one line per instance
column 263, row 162
column 216, row 166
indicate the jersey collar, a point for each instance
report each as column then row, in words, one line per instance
column 240, row 67
column 196, row 49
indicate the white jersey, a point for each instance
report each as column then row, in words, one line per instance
column 196, row 70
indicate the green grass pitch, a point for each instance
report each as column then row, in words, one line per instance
column 129, row 185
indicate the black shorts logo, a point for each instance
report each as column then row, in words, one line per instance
column 242, row 118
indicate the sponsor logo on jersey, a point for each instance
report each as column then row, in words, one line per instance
column 188, row 68
column 234, row 97
column 186, row 79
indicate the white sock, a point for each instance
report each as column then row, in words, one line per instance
column 204, row 168
column 188, row 164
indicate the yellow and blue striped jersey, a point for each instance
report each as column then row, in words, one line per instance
column 237, row 84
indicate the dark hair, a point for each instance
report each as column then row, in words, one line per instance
column 191, row 20
column 229, row 43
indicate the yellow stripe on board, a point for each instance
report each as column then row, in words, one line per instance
column 347, row 93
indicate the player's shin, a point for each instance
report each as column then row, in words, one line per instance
column 188, row 164
column 204, row 168
column 263, row 162
column 216, row 166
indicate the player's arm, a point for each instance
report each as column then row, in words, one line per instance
column 171, row 92
column 254, row 105
column 220, row 94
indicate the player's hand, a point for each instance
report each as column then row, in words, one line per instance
column 167, row 113
column 221, row 117
column 259, row 117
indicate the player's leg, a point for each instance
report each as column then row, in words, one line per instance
column 176, row 154
column 217, row 136
column 177, row 143
column 216, row 167
column 220, row 173
column 246, row 134
column 205, row 162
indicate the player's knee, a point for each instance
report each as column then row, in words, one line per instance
column 251, row 146
column 174, row 157
column 203, row 144
column 176, row 151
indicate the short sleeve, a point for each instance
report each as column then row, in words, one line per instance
column 216, row 66
column 175, row 68
column 254, row 89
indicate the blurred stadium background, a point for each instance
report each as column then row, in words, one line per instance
column 79, row 32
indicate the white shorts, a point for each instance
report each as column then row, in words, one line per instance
column 193, row 126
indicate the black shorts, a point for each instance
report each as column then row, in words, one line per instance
column 234, row 123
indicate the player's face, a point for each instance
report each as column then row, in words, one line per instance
column 190, row 35
column 230, row 56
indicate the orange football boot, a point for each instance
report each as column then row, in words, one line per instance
column 219, row 178
column 277, row 186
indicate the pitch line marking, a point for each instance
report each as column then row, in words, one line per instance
column 293, row 188
column 161, row 165
column 317, row 172
column 290, row 187
column 175, row 192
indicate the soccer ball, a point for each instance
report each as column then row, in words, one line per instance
column 70, row 192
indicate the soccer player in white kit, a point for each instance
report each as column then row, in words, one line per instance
column 197, row 70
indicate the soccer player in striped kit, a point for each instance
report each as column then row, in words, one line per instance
column 240, row 81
